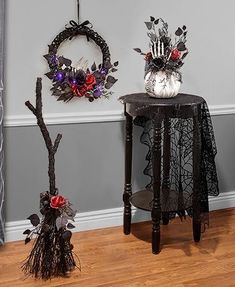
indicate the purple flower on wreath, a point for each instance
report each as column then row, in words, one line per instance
column 54, row 59
column 59, row 76
column 104, row 71
column 98, row 90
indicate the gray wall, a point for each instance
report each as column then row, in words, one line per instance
column 208, row 69
column 89, row 165
column 90, row 157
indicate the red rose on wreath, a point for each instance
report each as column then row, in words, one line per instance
column 83, row 90
column 89, row 87
column 89, row 84
column 57, row 201
column 175, row 54
column 90, row 81
column 75, row 90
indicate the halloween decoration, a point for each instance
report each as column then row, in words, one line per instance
column 51, row 254
column 165, row 58
column 69, row 81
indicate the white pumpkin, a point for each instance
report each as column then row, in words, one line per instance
column 161, row 84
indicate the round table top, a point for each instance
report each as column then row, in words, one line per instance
column 145, row 99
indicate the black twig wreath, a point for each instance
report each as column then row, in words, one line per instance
column 68, row 81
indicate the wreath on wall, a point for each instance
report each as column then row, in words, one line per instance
column 69, row 81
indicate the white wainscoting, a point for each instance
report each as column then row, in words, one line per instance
column 109, row 217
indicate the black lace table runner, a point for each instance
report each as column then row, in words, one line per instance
column 177, row 198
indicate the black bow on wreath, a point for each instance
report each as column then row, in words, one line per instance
column 75, row 26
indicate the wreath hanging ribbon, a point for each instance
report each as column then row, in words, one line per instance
column 68, row 81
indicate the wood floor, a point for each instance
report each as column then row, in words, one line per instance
column 111, row 259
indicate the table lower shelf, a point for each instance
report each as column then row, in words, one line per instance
column 143, row 199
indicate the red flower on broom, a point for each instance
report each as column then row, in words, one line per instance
column 57, row 201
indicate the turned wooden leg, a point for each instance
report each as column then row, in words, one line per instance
column 196, row 178
column 196, row 230
column 156, row 209
column 128, row 167
column 166, row 169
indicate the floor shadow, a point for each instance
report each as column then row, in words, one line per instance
column 179, row 235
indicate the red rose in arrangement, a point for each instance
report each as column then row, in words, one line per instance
column 175, row 54
column 148, row 56
column 57, row 201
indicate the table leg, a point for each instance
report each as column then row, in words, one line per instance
column 128, row 168
column 196, row 179
column 166, row 167
column 156, row 209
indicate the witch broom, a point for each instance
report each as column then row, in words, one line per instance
column 51, row 255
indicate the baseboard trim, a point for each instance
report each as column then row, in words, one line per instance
column 109, row 217
column 92, row 117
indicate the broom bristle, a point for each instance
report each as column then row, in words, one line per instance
column 51, row 255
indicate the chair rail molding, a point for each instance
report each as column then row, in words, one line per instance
column 65, row 118
column 93, row 117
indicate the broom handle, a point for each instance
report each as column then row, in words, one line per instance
column 51, row 147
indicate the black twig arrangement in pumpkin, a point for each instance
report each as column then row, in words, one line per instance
column 51, row 254
column 166, row 53
column 68, row 81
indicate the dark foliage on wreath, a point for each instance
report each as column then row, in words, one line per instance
column 69, row 81
column 166, row 54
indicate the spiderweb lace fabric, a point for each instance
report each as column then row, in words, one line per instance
column 177, row 193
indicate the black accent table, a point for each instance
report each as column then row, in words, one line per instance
column 161, row 112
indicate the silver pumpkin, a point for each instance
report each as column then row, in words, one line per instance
column 162, row 84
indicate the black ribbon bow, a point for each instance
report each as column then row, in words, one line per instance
column 76, row 26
